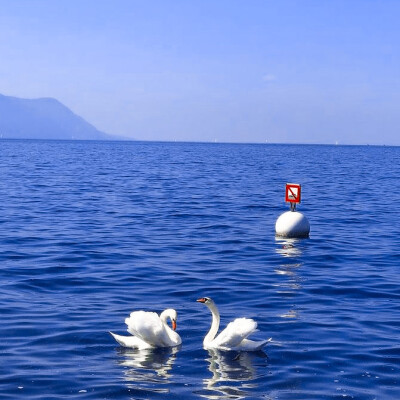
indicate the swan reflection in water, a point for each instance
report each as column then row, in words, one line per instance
column 147, row 366
column 232, row 373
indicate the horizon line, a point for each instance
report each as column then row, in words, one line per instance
column 126, row 139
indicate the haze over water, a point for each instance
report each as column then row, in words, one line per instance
column 90, row 231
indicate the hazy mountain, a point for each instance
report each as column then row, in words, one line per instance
column 44, row 118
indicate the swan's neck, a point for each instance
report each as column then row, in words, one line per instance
column 164, row 319
column 214, row 324
column 164, row 316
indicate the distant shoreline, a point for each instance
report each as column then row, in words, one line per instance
column 121, row 139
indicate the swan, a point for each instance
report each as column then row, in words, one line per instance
column 234, row 336
column 149, row 330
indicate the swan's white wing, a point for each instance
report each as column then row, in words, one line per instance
column 233, row 335
column 148, row 327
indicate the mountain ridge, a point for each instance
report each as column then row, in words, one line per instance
column 44, row 118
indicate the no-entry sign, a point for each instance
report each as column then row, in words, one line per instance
column 293, row 193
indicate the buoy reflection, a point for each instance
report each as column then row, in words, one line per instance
column 288, row 247
column 289, row 269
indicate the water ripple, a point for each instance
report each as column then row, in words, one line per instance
column 90, row 231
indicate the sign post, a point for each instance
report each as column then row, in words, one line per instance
column 293, row 195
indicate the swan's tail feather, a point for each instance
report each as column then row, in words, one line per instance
column 122, row 340
column 261, row 344
column 132, row 342
column 251, row 345
column 264, row 342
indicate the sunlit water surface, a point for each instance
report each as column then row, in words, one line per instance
column 90, row 231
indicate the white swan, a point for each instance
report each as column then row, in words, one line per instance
column 149, row 330
column 234, row 336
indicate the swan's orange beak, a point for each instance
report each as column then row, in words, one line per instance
column 173, row 325
column 202, row 300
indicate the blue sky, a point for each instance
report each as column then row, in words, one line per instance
column 204, row 70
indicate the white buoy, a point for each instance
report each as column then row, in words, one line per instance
column 292, row 224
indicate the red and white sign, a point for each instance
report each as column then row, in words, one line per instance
column 293, row 193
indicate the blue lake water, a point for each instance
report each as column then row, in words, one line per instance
column 90, row 231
